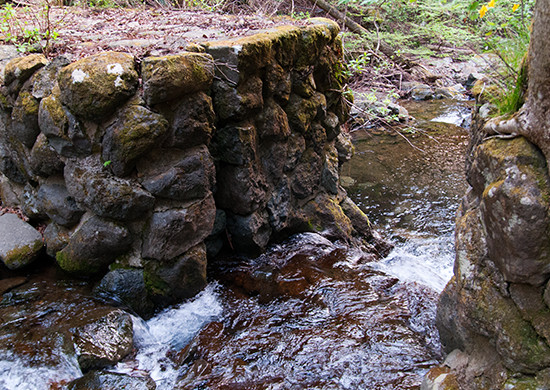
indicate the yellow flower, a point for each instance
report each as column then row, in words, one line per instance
column 491, row 4
column 483, row 11
column 515, row 7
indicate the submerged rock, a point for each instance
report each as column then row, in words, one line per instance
column 20, row 243
column 103, row 341
column 102, row 380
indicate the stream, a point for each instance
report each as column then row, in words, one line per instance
column 309, row 313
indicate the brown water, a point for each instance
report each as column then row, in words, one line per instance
column 311, row 314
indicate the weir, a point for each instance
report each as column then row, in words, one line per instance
column 140, row 169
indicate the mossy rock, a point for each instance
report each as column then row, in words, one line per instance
column 96, row 86
column 518, row 344
column 20, row 69
column 93, row 246
column 20, row 243
column 65, row 133
column 323, row 215
column 135, row 131
column 170, row 282
column 301, row 112
column 515, row 190
column 24, row 125
column 169, row 77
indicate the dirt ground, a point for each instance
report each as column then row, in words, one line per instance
column 141, row 31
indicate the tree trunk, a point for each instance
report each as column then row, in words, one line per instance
column 533, row 119
column 537, row 108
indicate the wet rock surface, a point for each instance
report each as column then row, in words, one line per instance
column 53, row 330
column 492, row 316
column 20, row 243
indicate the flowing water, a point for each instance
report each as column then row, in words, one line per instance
column 309, row 313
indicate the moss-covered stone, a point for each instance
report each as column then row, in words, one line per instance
column 518, row 344
column 168, row 77
column 65, row 133
column 94, row 245
column 325, row 216
column 24, row 124
column 135, row 131
column 20, row 69
column 44, row 160
column 20, row 243
column 236, row 103
column 301, row 112
column 168, row 282
column 95, row 86
column 512, row 177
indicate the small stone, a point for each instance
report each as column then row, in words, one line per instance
column 103, row 380
column 104, row 341
column 20, row 243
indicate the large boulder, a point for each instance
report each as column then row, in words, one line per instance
column 94, row 245
column 135, row 131
column 511, row 178
column 96, row 86
column 168, row 77
column 93, row 186
column 172, row 232
column 20, row 243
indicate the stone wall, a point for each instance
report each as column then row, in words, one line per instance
column 494, row 315
column 143, row 167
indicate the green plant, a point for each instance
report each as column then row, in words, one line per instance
column 36, row 32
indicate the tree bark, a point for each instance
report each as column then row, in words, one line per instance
column 533, row 119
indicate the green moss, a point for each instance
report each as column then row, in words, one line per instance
column 19, row 257
column 154, row 284
column 523, row 383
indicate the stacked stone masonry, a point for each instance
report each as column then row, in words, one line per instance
column 144, row 167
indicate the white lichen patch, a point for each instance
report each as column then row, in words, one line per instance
column 237, row 49
column 118, row 82
column 526, row 201
column 79, row 76
column 115, row 68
